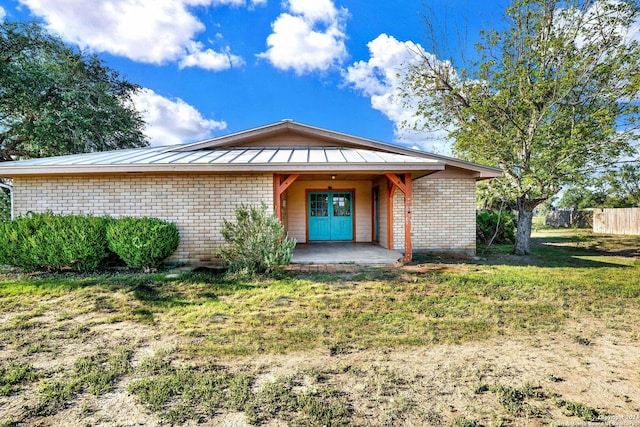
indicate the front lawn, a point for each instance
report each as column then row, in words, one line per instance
column 498, row 341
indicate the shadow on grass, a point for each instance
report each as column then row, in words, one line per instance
column 160, row 289
column 547, row 251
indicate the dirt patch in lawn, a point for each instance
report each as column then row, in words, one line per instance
column 436, row 385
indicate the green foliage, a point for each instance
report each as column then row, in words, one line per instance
column 615, row 188
column 52, row 242
column 142, row 242
column 464, row 422
column 196, row 390
column 514, row 400
column 500, row 224
column 581, row 197
column 5, row 204
column 55, row 99
column 256, row 242
column 97, row 373
column 624, row 185
column 14, row 374
column 578, row 409
column 550, row 99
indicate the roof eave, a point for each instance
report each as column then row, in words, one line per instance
column 220, row 168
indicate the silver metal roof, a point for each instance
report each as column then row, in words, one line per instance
column 271, row 148
column 252, row 155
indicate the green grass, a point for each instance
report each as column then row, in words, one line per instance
column 13, row 375
column 570, row 275
column 451, row 304
column 96, row 373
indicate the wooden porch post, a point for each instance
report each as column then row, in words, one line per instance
column 408, row 206
column 277, row 196
column 391, row 191
column 278, row 189
column 405, row 187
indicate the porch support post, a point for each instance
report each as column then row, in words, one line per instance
column 408, row 206
column 405, row 186
column 391, row 191
column 278, row 189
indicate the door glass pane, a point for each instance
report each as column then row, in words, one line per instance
column 342, row 204
column 319, row 204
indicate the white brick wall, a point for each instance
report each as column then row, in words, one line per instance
column 197, row 204
column 443, row 209
column 444, row 215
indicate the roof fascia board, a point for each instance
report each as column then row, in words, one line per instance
column 220, row 168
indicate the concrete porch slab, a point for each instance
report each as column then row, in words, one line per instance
column 343, row 253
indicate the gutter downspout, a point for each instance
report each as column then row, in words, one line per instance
column 10, row 188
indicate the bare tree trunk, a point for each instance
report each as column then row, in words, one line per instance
column 523, row 232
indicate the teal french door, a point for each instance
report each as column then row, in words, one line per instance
column 330, row 215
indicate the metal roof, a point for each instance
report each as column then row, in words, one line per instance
column 253, row 155
column 271, row 148
column 247, row 158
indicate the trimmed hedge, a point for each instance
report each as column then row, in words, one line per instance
column 45, row 241
column 52, row 242
column 142, row 242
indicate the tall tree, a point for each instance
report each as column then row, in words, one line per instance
column 615, row 188
column 550, row 98
column 624, row 185
column 57, row 100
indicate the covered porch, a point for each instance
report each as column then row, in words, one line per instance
column 344, row 253
column 346, row 216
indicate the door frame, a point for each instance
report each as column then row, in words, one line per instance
column 329, row 190
column 375, row 214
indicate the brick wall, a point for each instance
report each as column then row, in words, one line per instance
column 398, row 220
column 382, row 212
column 443, row 209
column 197, row 204
column 444, row 216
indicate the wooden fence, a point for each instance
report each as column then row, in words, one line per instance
column 569, row 218
column 617, row 221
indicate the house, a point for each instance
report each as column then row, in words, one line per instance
column 323, row 185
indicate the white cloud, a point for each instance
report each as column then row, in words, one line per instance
column 309, row 38
column 209, row 59
column 2, row 13
column 236, row 3
column 173, row 121
column 380, row 79
column 151, row 31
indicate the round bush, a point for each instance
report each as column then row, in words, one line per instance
column 142, row 242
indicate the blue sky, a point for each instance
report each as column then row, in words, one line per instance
column 213, row 67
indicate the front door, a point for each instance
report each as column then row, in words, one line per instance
column 330, row 215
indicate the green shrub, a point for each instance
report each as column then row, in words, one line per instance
column 5, row 204
column 142, row 242
column 256, row 242
column 487, row 222
column 52, row 242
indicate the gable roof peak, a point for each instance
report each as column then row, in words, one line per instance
column 292, row 127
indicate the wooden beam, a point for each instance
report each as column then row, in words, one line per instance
column 277, row 196
column 395, row 180
column 408, row 206
column 405, row 186
column 391, row 191
column 287, row 182
column 278, row 189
